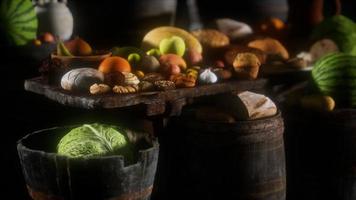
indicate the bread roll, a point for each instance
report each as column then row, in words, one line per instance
column 272, row 47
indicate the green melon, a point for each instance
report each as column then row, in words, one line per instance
column 18, row 21
column 335, row 75
column 341, row 30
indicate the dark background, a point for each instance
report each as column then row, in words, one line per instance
column 104, row 24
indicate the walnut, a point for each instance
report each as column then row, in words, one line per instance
column 164, row 85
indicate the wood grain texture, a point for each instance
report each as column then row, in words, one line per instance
column 156, row 101
column 241, row 160
column 50, row 176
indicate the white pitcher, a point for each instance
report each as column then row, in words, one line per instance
column 54, row 17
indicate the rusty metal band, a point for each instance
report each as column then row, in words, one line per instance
column 268, row 188
column 139, row 195
column 36, row 195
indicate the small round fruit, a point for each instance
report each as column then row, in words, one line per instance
column 172, row 59
column 139, row 74
column 219, row 64
column 134, row 59
column 37, row 42
column 150, row 64
column 193, row 57
column 47, row 37
column 114, row 64
column 174, row 69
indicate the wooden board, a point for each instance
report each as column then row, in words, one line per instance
column 156, row 101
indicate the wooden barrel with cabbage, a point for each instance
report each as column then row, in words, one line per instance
column 52, row 176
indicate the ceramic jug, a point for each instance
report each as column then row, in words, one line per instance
column 55, row 17
column 269, row 8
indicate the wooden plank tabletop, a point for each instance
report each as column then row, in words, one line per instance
column 155, row 101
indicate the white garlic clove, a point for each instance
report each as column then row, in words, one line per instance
column 207, row 76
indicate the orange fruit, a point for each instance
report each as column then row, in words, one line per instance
column 277, row 23
column 47, row 37
column 114, row 64
column 272, row 24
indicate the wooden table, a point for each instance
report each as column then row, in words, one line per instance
column 168, row 102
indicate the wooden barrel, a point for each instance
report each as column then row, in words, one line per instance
column 244, row 160
column 321, row 154
column 52, row 177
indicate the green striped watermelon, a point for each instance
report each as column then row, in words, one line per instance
column 18, row 21
column 341, row 30
column 335, row 75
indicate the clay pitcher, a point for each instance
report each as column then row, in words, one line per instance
column 54, row 17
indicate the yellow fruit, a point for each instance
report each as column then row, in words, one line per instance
column 192, row 71
column 37, row 42
column 153, row 38
column 318, row 102
column 139, row 74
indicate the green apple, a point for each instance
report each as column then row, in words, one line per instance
column 154, row 52
column 172, row 45
column 134, row 59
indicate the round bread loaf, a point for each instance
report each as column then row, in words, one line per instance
column 211, row 38
column 81, row 79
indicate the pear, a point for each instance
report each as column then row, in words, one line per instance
column 79, row 47
column 83, row 48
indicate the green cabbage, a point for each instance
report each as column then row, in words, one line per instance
column 341, row 30
column 95, row 140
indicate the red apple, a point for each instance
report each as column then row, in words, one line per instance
column 47, row 37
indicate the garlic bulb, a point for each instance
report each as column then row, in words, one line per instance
column 207, row 76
